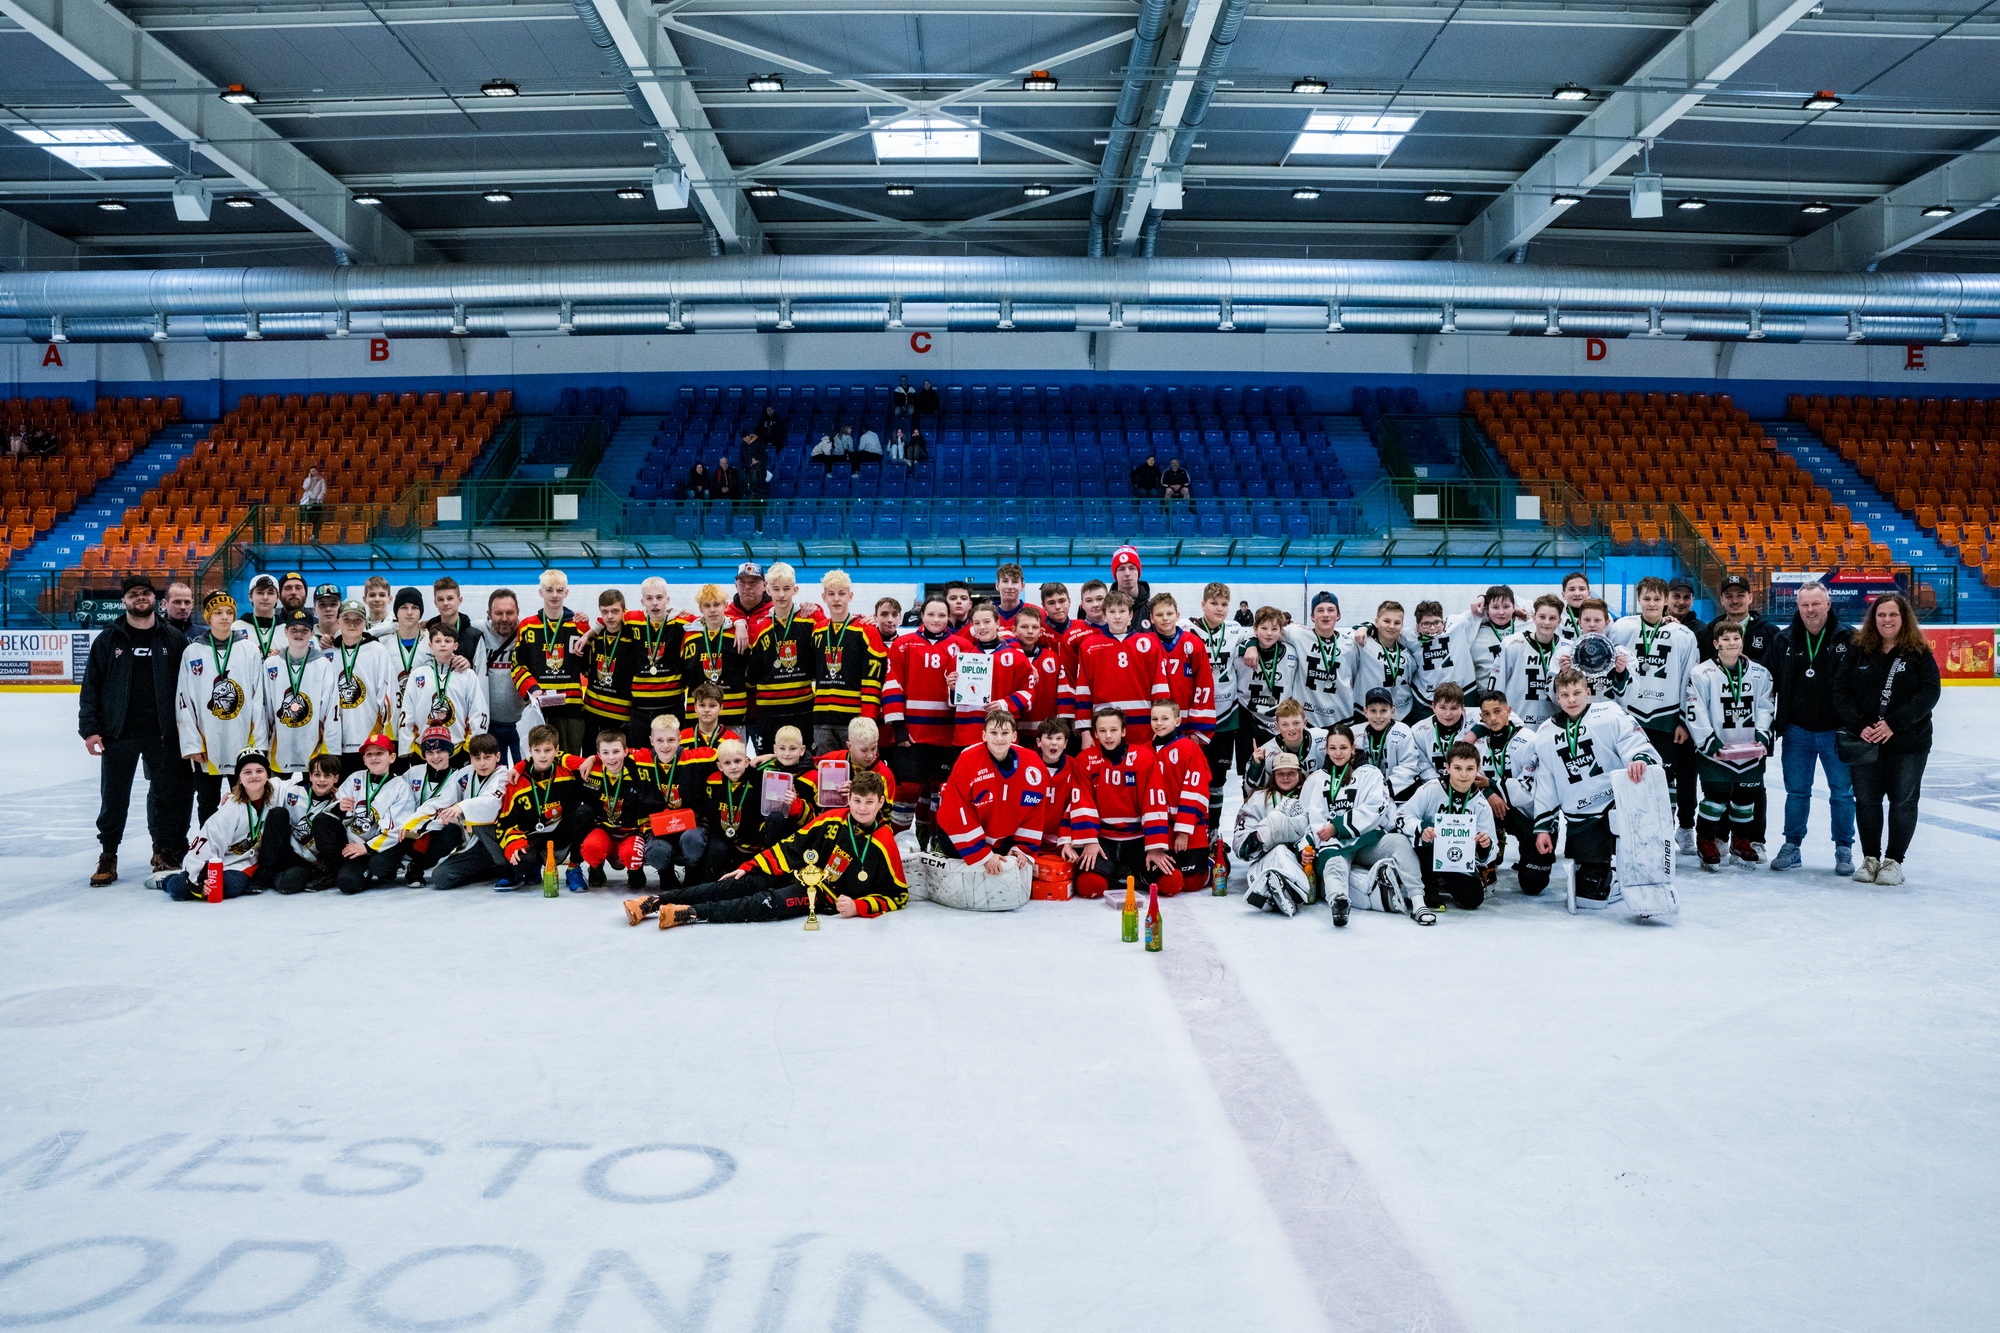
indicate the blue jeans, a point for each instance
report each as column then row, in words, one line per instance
column 509, row 736
column 1802, row 749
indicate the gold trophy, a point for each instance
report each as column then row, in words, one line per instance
column 812, row 877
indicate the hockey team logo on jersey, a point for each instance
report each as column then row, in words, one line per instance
column 711, row 668
column 226, row 699
column 836, row 659
column 788, row 656
column 352, row 692
column 607, row 668
column 243, row 848
column 296, row 710
column 198, row 667
column 442, row 713
column 1580, row 762
column 654, row 651
column 552, row 653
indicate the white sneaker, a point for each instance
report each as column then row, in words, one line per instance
column 1686, row 841
column 1889, row 872
column 1869, row 866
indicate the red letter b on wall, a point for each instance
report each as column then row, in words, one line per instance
column 378, row 349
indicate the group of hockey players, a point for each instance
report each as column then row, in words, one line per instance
column 760, row 757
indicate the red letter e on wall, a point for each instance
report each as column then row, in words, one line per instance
column 378, row 349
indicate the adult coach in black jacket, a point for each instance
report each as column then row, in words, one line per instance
column 125, row 713
column 1805, row 661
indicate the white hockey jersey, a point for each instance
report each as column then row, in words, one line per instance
column 1432, row 741
column 219, row 703
column 479, row 797
column 1325, row 674
column 435, row 696
column 1354, row 801
column 303, row 807
column 365, row 688
column 1436, row 660
column 303, row 699
column 1654, row 688
column 1270, row 819
column 380, row 807
column 1507, row 757
column 1311, row 752
column 230, row 836
column 1225, row 652
column 1392, row 667
column 1394, row 752
column 1274, row 679
column 1575, row 757
column 1526, row 675
column 1720, row 699
column 1421, row 811
column 1476, row 642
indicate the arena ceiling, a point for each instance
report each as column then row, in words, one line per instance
column 1488, row 129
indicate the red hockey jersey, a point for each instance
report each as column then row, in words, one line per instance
column 1177, row 794
column 1013, row 685
column 915, row 692
column 987, row 801
column 1050, row 694
column 1188, row 678
column 1118, row 673
column 1108, row 793
column 1056, row 799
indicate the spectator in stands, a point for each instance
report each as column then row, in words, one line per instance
column 1244, row 615
column 868, row 449
column 823, row 450
column 927, row 406
column 1804, row 662
column 748, row 446
column 42, row 443
column 756, row 475
column 125, row 712
column 1174, row 482
column 177, row 609
column 728, row 480
column 312, row 499
column 897, row 445
column 1146, row 479
column 904, row 401
column 1886, row 692
column 17, row 443
column 843, row 441
column 918, row 450
column 700, row 486
column 771, row 429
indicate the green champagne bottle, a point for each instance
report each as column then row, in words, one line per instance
column 1128, row 927
column 549, row 889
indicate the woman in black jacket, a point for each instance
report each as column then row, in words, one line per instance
column 700, row 486
column 1886, row 692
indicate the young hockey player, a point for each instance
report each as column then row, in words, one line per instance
column 262, row 622
column 610, row 666
column 1388, row 745
column 917, row 703
column 373, row 805
column 655, row 630
column 1186, row 675
column 1222, row 638
column 1059, row 766
column 1292, row 737
column 1434, row 660
column 418, row 846
column 542, row 808
column 1653, row 689
column 825, row 788
column 958, row 603
column 404, row 639
column 1177, row 800
column 1271, row 673
column 1055, row 611
column 852, row 661
column 1106, row 832
column 615, row 801
column 1447, row 725
column 1575, row 753
column 1049, row 693
column 364, row 685
column 234, row 835
column 376, row 593
column 784, row 660
column 1353, row 824
column 1454, row 795
column 1118, row 668
column 469, row 643
column 437, row 696
column 302, row 691
column 1383, row 660
column 219, row 702
column 1010, row 681
column 734, row 826
column 1594, row 617
column 1325, row 681
column 1507, row 760
column 469, row 802
column 991, row 812
column 1477, row 635
column 672, row 837
column 852, row 847
column 301, row 865
column 700, row 739
column 548, row 661
column 1575, row 592
column 709, row 656
column 1732, row 693
column 1008, row 583
column 1527, row 662
column 1273, row 840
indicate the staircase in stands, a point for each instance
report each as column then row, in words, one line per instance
column 84, row 527
column 625, row 452
column 1977, row 603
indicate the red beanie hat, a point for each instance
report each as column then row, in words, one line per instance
column 1124, row 554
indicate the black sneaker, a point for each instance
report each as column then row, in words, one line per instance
column 597, row 880
column 1340, row 910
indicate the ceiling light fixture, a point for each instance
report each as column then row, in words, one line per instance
column 1039, row 81
column 629, row 192
column 498, row 197
column 1565, row 200
column 1037, row 191
column 1438, row 196
column 237, row 95
column 1305, row 192
column 763, row 192
column 766, row 83
column 239, row 201
column 1309, row 84
column 1816, row 207
column 1692, row 205
column 899, row 191
column 368, row 200
column 1823, row 100
column 1938, row 211
column 1570, row 92
column 500, row 88
column 112, row 205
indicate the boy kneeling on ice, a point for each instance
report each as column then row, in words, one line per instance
column 1575, row 753
column 1452, row 872
column 854, row 848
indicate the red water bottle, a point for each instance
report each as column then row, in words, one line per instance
column 212, row 882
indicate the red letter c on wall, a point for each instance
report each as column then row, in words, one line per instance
column 920, row 341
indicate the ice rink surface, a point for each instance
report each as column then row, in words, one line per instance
column 414, row 1111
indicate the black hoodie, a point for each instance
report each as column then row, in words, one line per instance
column 1807, row 701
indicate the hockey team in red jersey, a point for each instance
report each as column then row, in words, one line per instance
column 1094, row 740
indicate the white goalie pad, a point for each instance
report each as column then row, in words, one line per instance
column 953, row 883
column 921, row 868
column 1643, row 869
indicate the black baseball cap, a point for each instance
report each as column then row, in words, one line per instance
column 1379, row 695
column 132, row 581
column 1736, row 581
column 1680, row 585
column 296, row 615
